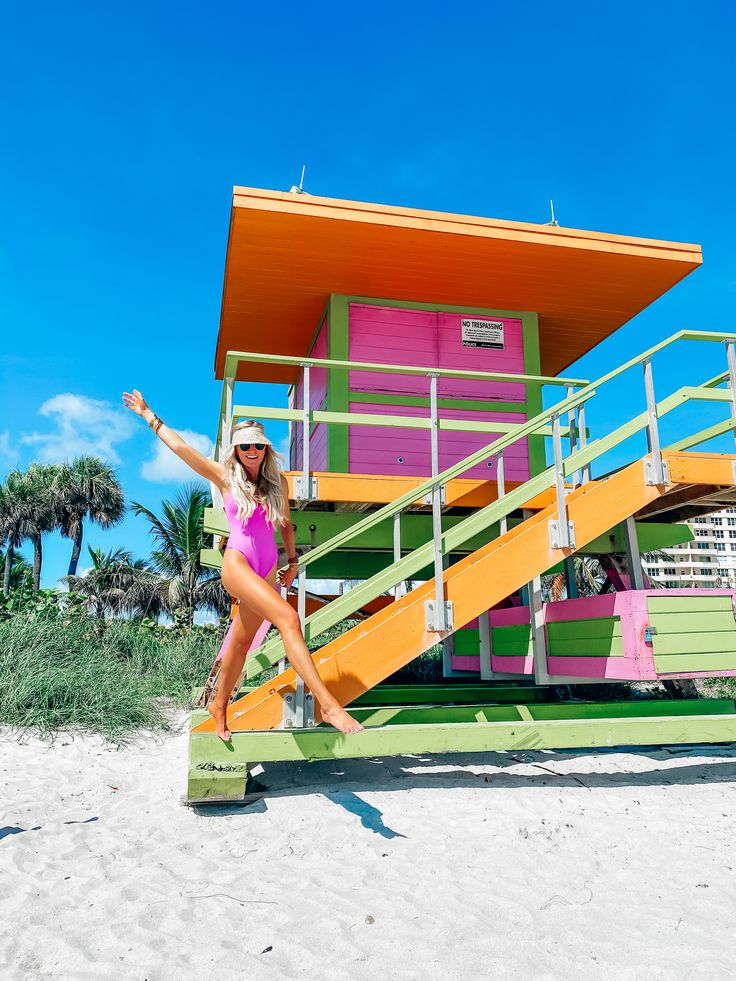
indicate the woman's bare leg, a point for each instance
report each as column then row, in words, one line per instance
column 238, row 641
column 255, row 594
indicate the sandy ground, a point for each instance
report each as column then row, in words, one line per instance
column 543, row 865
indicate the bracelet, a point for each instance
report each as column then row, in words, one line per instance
column 293, row 559
column 156, row 424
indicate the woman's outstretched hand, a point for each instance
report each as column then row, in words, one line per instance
column 135, row 402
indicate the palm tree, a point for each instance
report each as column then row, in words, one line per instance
column 43, row 511
column 589, row 579
column 21, row 573
column 28, row 510
column 179, row 535
column 120, row 584
column 88, row 489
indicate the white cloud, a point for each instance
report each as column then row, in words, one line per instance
column 8, row 453
column 82, row 426
column 165, row 467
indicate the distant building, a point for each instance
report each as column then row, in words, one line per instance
column 707, row 562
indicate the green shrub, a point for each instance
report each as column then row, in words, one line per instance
column 109, row 678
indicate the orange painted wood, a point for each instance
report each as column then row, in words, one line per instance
column 286, row 253
column 377, row 489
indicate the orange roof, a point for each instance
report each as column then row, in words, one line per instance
column 287, row 252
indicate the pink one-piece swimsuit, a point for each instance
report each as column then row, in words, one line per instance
column 254, row 539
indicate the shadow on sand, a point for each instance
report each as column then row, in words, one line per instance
column 341, row 780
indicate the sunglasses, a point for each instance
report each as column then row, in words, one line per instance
column 256, row 446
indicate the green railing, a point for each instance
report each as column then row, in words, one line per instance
column 575, row 465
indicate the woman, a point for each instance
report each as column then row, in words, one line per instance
column 256, row 497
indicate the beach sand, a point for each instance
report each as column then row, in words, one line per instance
column 574, row 865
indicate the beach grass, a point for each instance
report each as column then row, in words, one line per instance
column 108, row 678
column 117, row 677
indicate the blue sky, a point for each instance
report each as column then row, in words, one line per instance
column 124, row 129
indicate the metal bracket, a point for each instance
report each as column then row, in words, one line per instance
column 648, row 633
column 298, row 713
column 557, row 536
column 427, row 499
column 431, row 618
column 650, row 475
column 299, row 489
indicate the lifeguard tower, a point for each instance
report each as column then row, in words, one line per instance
column 440, row 464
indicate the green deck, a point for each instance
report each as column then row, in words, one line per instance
column 219, row 771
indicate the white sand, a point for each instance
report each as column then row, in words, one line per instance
column 614, row 865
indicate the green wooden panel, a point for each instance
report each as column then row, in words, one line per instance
column 596, row 647
column 337, row 383
column 687, row 604
column 456, row 693
column 317, row 527
column 697, row 622
column 467, row 642
column 713, row 642
column 651, row 537
column 512, row 641
column 210, row 558
column 324, row 743
column 601, row 627
column 483, row 711
column 636, row 708
column 715, row 663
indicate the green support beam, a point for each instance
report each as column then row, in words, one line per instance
column 562, row 726
column 313, row 528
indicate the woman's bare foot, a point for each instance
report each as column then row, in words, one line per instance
column 219, row 714
column 340, row 719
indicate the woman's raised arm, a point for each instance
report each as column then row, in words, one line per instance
column 209, row 469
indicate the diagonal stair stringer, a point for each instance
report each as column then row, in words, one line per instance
column 368, row 653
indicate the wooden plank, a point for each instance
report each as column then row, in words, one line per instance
column 696, row 622
column 467, row 642
column 512, row 641
column 324, row 743
column 601, row 628
column 688, row 604
column 585, row 638
column 450, row 694
column 536, row 710
column 713, row 642
column 678, row 663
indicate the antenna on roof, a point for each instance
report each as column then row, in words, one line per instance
column 300, row 189
column 554, row 222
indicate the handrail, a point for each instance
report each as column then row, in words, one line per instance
column 232, row 359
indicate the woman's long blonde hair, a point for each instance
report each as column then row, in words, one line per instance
column 266, row 491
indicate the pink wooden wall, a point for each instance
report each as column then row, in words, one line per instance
column 637, row 663
column 317, row 398
column 429, row 339
column 407, row 451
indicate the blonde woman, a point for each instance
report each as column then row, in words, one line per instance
column 256, row 497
